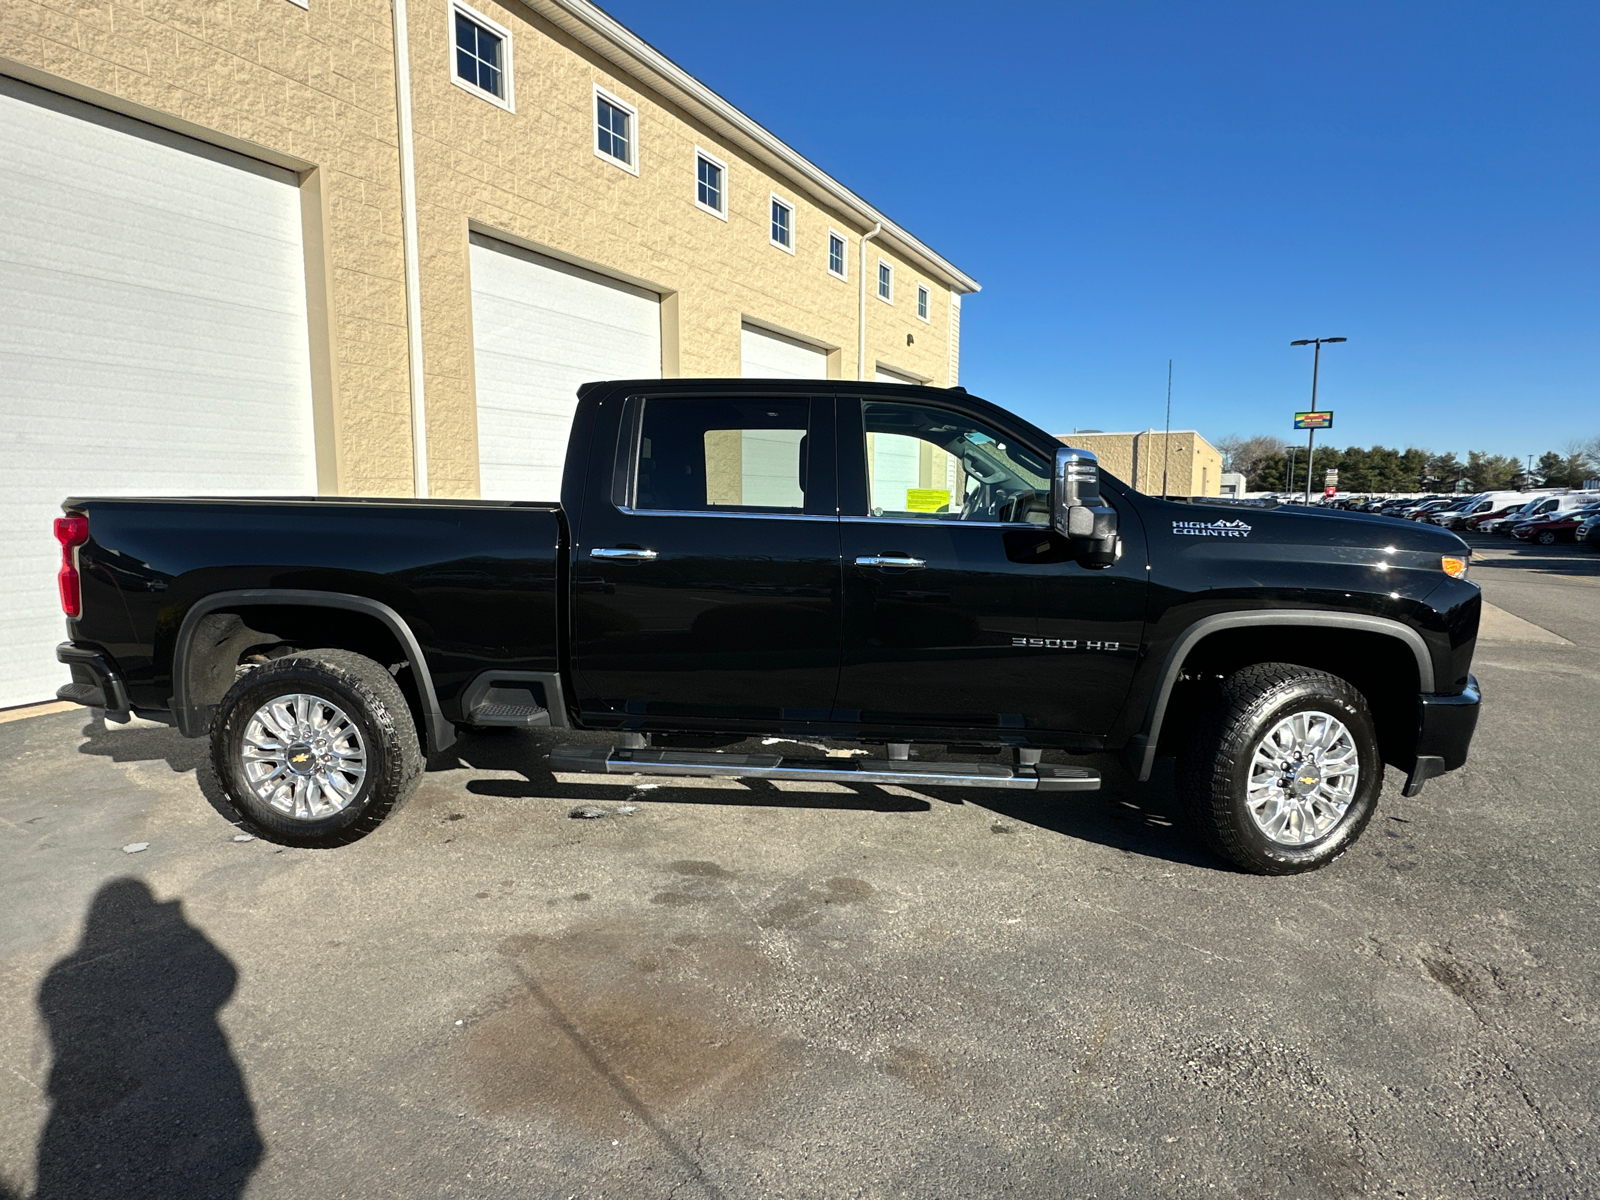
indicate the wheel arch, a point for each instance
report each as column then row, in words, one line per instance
column 1386, row 660
column 218, row 628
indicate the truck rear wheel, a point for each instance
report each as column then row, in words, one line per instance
column 1283, row 773
column 316, row 749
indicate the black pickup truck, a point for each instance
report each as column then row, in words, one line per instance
column 881, row 565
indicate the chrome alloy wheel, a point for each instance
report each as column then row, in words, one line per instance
column 1303, row 777
column 304, row 756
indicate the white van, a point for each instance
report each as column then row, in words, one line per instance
column 1539, row 506
column 1483, row 502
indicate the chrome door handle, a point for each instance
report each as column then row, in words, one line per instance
column 903, row 561
column 622, row 554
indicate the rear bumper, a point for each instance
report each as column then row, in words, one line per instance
column 1445, row 725
column 94, row 683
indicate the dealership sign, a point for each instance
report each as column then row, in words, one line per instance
column 1314, row 420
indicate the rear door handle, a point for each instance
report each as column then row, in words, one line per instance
column 903, row 561
column 622, row 554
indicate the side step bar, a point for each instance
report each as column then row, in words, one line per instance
column 609, row 760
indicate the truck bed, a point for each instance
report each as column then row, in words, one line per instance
column 478, row 584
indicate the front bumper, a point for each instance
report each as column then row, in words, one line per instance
column 94, row 683
column 1445, row 725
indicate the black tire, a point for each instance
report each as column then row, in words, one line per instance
column 375, row 705
column 1547, row 538
column 1214, row 768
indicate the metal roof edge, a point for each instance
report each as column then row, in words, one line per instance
column 603, row 33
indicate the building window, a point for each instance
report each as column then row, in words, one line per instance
column 922, row 302
column 837, row 248
column 616, row 131
column 885, row 282
column 782, row 224
column 482, row 55
column 711, row 184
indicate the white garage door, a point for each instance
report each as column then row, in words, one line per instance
column 772, row 356
column 539, row 329
column 152, row 339
column 885, row 375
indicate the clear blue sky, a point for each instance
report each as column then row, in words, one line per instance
column 1208, row 181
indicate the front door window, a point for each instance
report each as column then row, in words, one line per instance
column 928, row 463
column 963, row 610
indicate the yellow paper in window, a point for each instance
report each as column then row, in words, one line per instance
column 930, row 500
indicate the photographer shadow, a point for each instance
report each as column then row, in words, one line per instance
column 147, row 1100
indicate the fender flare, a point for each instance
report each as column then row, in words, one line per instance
column 192, row 722
column 1187, row 640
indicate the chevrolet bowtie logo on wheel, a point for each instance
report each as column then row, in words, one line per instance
column 300, row 758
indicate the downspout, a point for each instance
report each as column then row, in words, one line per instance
column 861, row 320
column 413, row 268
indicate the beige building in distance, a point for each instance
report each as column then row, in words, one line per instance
column 355, row 247
column 1192, row 466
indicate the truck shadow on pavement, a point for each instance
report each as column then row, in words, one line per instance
column 510, row 752
column 146, row 1098
column 144, row 742
column 158, row 743
column 1139, row 819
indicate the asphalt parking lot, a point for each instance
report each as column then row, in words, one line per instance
column 741, row 991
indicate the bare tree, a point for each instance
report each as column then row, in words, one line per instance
column 1246, row 454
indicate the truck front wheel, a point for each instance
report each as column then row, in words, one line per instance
column 315, row 749
column 1283, row 773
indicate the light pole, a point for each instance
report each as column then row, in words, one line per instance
column 1311, row 434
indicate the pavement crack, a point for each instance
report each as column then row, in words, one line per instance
column 1160, row 935
column 1499, row 1041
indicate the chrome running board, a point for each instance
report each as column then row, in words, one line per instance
column 613, row 760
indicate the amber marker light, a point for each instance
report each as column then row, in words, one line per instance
column 1456, row 568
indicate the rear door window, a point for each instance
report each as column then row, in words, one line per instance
column 717, row 454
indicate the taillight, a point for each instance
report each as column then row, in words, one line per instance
column 71, row 532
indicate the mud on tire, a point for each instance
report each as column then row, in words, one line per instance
column 373, row 706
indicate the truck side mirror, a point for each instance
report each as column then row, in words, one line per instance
column 1077, row 511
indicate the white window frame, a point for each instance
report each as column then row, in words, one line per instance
column 632, row 110
column 877, row 284
column 845, row 258
column 794, row 228
column 508, row 101
column 715, row 162
column 924, row 292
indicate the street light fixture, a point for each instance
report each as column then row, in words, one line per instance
column 1311, row 434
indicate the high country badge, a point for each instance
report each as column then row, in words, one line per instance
column 1226, row 529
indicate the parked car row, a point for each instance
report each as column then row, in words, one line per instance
column 1543, row 518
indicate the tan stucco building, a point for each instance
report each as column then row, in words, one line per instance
column 1191, row 465
column 369, row 248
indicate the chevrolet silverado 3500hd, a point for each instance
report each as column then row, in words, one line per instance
column 881, row 564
